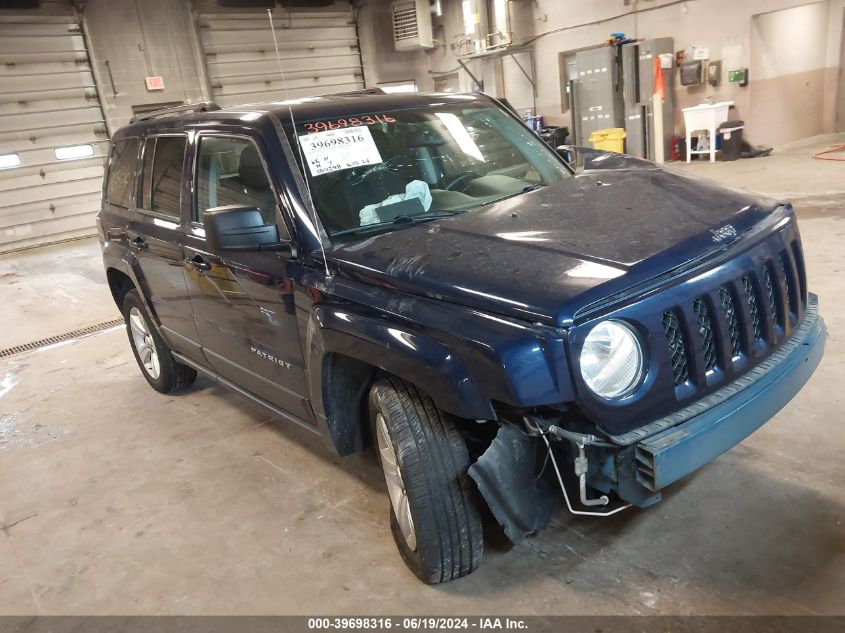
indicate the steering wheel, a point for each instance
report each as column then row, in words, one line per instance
column 463, row 178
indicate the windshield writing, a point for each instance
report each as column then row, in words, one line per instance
column 370, row 170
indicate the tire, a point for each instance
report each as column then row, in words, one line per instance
column 441, row 513
column 164, row 373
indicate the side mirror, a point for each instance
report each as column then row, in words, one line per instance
column 568, row 153
column 234, row 228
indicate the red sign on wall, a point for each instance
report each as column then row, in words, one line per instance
column 155, row 83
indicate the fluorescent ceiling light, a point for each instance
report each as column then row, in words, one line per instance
column 394, row 88
column 469, row 17
column 524, row 236
column 594, row 270
column 460, row 134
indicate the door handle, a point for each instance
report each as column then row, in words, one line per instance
column 199, row 263
column 139, row 242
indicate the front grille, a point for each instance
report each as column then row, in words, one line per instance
column 753, row 306
column 731, row 320
column 705, row 326
column 798, row 258
column 784, row 268
column 770, row 294
column 705, row 330
column 745, row 317
column 677, row 346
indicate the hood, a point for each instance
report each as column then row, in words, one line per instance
column 544, row 254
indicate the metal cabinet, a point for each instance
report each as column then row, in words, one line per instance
column 597, row 93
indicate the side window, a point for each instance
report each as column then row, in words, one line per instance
column 162, row 174
column 230, row 172
column 122, row 172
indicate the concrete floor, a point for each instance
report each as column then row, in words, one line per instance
column 117, row 500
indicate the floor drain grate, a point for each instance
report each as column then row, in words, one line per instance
column 59, row 338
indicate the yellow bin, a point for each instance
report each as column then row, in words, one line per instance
column 611, row 139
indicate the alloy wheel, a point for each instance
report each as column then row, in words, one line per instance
column 144, row 344
column 395, row 484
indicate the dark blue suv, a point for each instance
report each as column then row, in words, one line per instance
column 422, row 275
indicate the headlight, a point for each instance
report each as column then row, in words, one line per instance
column 611, row 359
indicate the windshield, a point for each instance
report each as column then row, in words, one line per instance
column 380, row 170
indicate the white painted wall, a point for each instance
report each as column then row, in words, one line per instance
column 788, row 97
column 772, row 33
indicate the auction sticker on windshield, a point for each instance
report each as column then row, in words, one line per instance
column 334, row 150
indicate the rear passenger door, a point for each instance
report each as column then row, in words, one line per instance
column 243, row 302
column 155, row 235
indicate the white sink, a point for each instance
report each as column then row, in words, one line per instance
column 711, row 106
column 705, row 116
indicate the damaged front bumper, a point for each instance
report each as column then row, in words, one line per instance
column 734, row 412
column 520, row 472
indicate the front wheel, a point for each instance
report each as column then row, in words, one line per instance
column 435, row 514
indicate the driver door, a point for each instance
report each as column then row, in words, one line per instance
column 243, row 302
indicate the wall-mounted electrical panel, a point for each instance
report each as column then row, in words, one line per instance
column 614, row 87
column 597, row 93
column 638, row 61
column 412, row 25
column 635, row 108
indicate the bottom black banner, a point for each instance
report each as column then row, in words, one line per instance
column 529, row 624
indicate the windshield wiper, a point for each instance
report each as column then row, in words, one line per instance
column 534, row 187
column 399, row 219
column 525, row 189
column 418, row 217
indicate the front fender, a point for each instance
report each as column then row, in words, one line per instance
column 398, row 349
column 469, row 364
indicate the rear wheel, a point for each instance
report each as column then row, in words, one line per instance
column 435, row 514
column 160, row 368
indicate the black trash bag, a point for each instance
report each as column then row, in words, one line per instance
column 753, row 151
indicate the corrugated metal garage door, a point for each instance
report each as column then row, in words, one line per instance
column 48, row 102
column 318, row 47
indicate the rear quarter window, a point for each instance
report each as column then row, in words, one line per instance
column 121, row 173
column 161, row 189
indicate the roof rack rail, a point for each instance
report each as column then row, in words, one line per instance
column 356, row 93
column 203, row 106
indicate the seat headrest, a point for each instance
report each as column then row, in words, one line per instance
column 251, row 170
column 381, row 139
column 422, row 137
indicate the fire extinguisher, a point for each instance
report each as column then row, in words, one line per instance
column 676, row 148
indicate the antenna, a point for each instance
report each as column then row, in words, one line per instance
column 298, row 146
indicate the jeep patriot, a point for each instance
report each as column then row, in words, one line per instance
column 421, row 275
